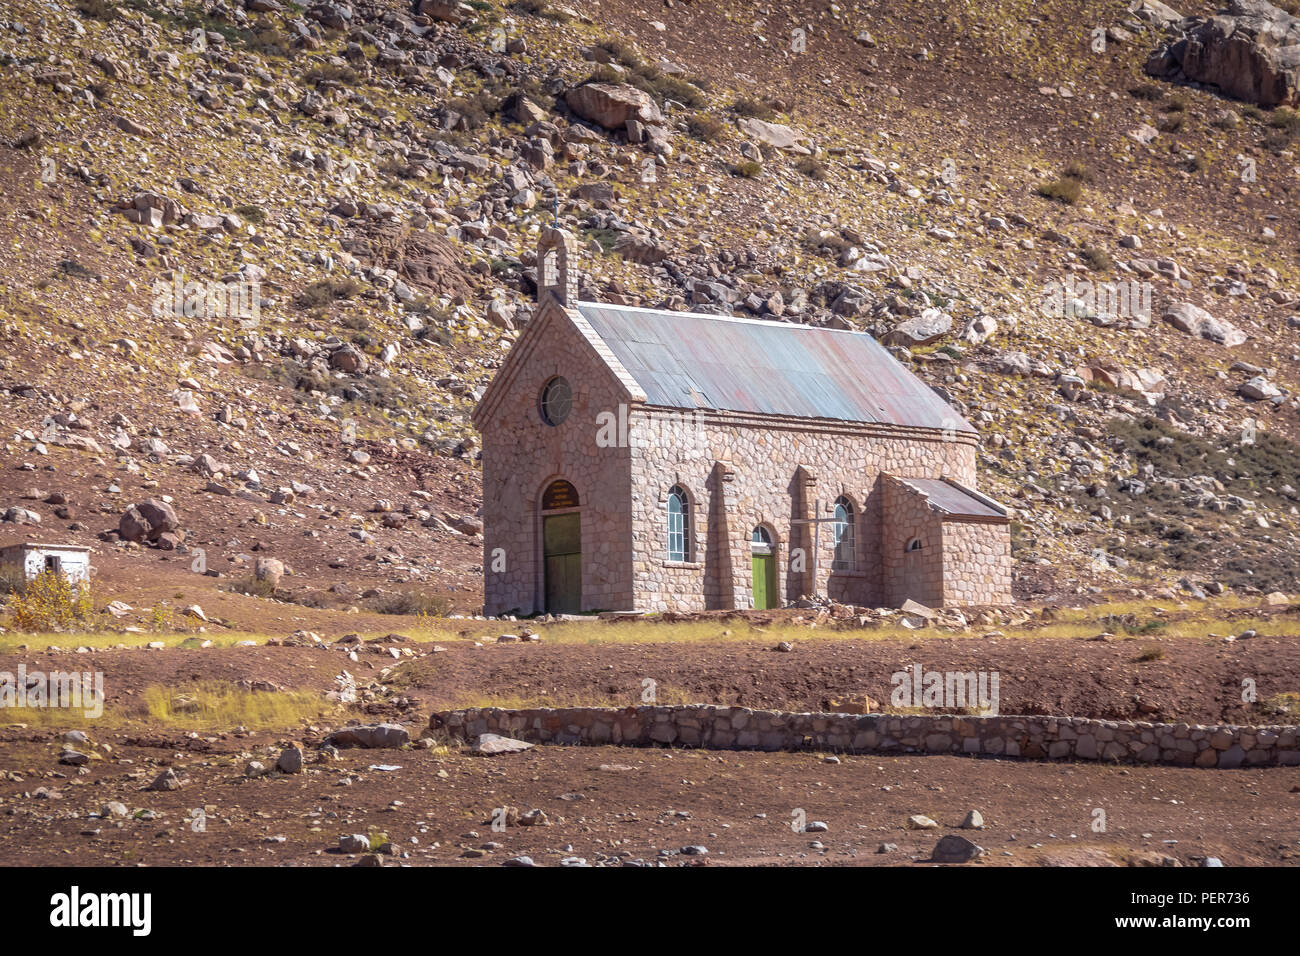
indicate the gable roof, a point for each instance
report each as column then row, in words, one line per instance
column 956, row 500
column 701, row 361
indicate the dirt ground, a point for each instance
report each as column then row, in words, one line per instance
column 617, row 805
column 1193, row 680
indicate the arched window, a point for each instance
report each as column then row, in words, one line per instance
column 914, row 544
column 679, row 525
column 846, row 555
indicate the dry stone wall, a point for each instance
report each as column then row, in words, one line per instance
column 740, row 728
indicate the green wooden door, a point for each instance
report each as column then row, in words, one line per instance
column 562, row 548
column 764, row 568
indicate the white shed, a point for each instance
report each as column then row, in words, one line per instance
column 70, row 560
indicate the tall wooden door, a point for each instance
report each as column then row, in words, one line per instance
column 763, row 568
column 764, row 590
column 562, row 549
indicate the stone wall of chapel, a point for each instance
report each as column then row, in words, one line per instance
column 765, row 479
column 522, row 455
column 915, row 574
column 977, row 563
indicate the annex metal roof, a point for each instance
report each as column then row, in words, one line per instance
column 953, row 499
column 696, row 360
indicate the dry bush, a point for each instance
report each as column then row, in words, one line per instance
column 50, row 602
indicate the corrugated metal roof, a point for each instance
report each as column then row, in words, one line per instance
column 696, row 360
column 952, row 498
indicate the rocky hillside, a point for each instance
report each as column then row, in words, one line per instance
column 262, row 259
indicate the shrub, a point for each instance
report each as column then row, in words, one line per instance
column 1064, row 189
column 251, row 213
column 1152, row 653
column 1098, row 260
column 160, row 618
column 324, row 291
column 104, row 10
column 811, row 168
column 421, row 603
column 1075, row 169
column 704, row 127
column 50, row 602
column 1146, row 91
column 621, row 51
column 539, row 8
column 252, row 585
column 331, row 73
column 476, row 108
column 746, row 106
column 13, row 580
column 1285, row 118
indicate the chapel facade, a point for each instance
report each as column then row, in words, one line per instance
column 647, row 460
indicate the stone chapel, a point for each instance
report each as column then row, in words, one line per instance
column 644, row 460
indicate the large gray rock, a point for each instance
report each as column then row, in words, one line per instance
column 448, row 11
column 147, row 521
column 956, row 849
column 373, row 736
column 1258, row 389
column 1252, row 52
column 270, row 570
column 775, row 135
column 1157, row 14
column 930, row 326
column 1194, row 320
column 490, row 745
column 612, row 104
column 349, row 359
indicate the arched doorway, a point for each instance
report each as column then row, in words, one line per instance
column 562, row 548
column 763, row 558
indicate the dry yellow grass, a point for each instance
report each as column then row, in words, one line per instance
column 213, row 705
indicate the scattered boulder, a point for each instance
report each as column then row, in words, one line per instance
column 1194, row 320
column 167, row 780
column 354, row 843
column 956, row 849
column 147, row 521
column 1258, row 389
column 268, row 571
column 776, row 135
column 491, row 745
column 290, row 760
column 446, row 11
column 373, row 736
column 930, row 326
column 612, row 104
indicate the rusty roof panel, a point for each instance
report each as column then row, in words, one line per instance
column 953, row 498
column 697, row 360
